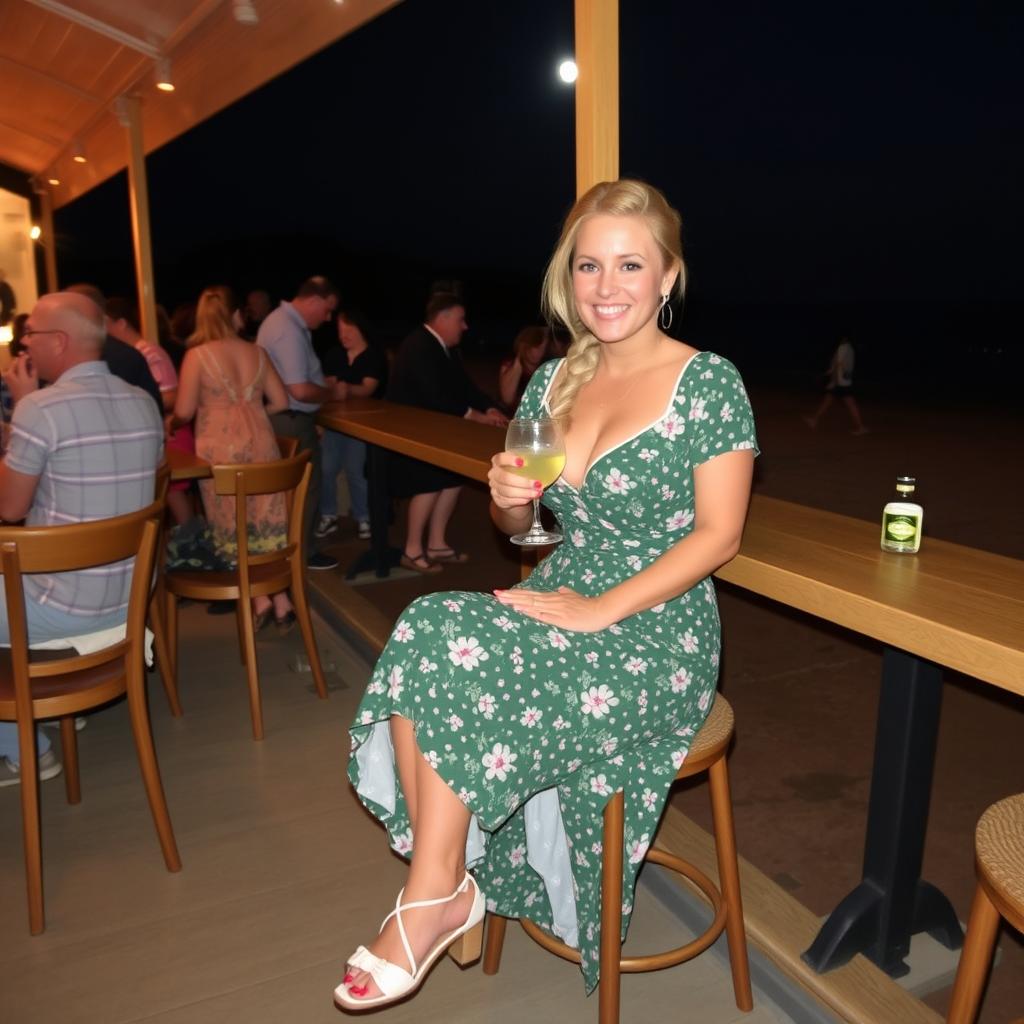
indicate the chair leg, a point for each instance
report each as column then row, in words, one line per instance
column 69, row 751
column 306, row 625
column 29, row 759
column 495, row 941
column 163, row 663
column 729, row 879
column 240, row 619
column 247, row 641
column 171, row 627
column 975, row 960
column 139, row 714
column 611, row 910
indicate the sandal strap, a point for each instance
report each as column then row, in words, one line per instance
column 397, row 914
column 388, row 977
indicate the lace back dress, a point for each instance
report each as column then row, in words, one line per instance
column 234, row 427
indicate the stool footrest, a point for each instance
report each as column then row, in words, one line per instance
column 653, row 961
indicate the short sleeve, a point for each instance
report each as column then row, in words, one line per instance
column 531, row 405
column 32, row 438
column 718, row 414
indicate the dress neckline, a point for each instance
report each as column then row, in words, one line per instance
column 632, row 437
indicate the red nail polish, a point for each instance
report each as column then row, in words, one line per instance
column 357, row 991
column 346, row 979
column 519, row 461
column 538, row 484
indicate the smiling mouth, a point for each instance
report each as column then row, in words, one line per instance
column 610, row 311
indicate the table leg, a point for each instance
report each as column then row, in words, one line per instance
column 892, row 901
column 380, row 556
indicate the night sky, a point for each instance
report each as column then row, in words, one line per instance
column 841, row 158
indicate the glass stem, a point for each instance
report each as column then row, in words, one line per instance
column 536, row 528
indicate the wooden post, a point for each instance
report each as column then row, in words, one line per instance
column 49, row 238
column 597, row 92
column 138, row 199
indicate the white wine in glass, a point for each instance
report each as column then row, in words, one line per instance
column 539, row 443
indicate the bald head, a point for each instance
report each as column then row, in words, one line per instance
column 64, row 329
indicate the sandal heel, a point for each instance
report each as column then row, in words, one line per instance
column 467, row 948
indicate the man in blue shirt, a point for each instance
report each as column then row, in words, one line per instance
column 287, row 337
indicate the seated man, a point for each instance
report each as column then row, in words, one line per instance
column 429, row 373
column 85, row 448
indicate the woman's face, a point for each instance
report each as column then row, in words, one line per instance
column 618, row 277
column 533, row 356
column 349, row 334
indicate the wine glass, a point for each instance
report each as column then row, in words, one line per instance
column 539, row 443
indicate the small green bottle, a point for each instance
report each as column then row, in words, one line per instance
column 901, row 519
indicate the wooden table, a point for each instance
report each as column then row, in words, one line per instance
column 948, row 606
column 186, row 465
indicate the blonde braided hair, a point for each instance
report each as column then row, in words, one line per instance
column 623, row 198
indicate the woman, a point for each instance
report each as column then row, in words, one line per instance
column 361, row 369
column 532, row 707
column 223, row 384
column 531, row 347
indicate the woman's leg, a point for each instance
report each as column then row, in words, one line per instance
column 440, row 517
column 438, row 862
column 403, row 739
column 420, row 508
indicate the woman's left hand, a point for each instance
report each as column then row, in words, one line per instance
column 563, row 608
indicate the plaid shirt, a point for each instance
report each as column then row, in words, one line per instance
column 94, row 442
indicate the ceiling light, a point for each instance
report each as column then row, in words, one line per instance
column 53, row 181
column 568, row 72
column 77, row 152
column 245, row 13
column 34, row 232
column 163, row 75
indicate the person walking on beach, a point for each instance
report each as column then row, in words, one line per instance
column 840, row 385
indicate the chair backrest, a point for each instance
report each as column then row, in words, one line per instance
column 52, row 549
column 243, row 480
column 162, row 481
column 286, row 445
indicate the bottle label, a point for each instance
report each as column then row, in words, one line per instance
column 899, row 527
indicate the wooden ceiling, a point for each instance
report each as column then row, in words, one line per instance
column 63, row 66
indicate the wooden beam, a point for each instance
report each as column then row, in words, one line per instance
column 101, row 28
column 49, row 238
column 138, row 199
column 597, row 92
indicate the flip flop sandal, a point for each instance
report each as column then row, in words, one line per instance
column 447, row 555
column 420, row 564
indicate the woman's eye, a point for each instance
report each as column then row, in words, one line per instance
column 586, row 268
column 631, row 266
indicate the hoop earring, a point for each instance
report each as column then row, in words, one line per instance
column 665, row 314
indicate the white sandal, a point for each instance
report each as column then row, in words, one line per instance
column 463, row 945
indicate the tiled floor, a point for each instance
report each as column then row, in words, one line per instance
column 283, row 875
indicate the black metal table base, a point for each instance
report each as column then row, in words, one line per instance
column 380, row 556
column 891, row 903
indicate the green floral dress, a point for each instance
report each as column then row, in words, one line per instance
column 535, row 728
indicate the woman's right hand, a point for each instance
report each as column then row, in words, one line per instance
column 510, row 489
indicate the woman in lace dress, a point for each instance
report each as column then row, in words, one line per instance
column 496, row 726
column 230, row 387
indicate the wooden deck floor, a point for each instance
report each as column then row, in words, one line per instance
column 283, row 875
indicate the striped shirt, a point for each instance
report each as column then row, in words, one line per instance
column 94, row 441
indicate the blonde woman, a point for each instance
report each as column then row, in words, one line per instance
column 230, row 386
column 534, row 705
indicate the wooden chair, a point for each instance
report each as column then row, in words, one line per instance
column 158, row 597
column 999, row 865
column 35, row 685
column 287, row 446
column 255, row 575
column 707, row 753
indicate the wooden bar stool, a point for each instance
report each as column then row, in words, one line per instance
column 999, row 865
column 707, row 753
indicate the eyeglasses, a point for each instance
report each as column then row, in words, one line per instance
column 29, row 334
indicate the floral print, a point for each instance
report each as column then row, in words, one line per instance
column 514, row 714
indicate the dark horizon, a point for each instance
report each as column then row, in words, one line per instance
column 829, row 165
